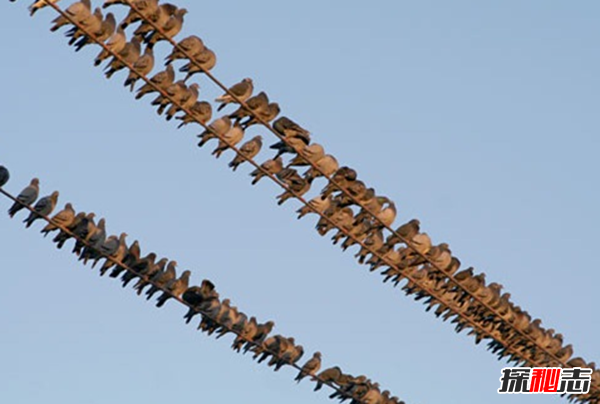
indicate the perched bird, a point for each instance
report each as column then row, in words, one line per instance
column 77, row 11
column 236, row 93
column 162, row 80
column 405, row 232
column 272, row 166
column 106, row 30
column 248, row 151
column 187, row 98
column 43, row 207
column 39, row 4
column 175, row 288
column 130, row 54
column 192, row 45
column 91, row 23
column 256, row 104
column 310, row 154
column 343, row 177
column 169, row 30
column 266, row 115
column 173, row 93
column 159, row 18
column 288, row 128
column 310, row 368
column 203, row 62
column 63, row 218
column 297, row 187
column 61, row 238
column 200, row 111
column 141, row 67
column 159, row 280
column 139, row 267
column 219, row 126
column 140, row 9
column 326, row 166
column 95, row 241
column 319, row 204
column 113, row 247
column 4, row 176
column 26, row 197
column 330, row 375
column 231, row 138
column 116, row 43
column 86, row 229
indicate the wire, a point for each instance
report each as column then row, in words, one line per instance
column 508, row 346
column 315, row 378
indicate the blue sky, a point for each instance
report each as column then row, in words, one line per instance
column 478, row 119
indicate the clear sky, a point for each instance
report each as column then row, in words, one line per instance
column 478, row 118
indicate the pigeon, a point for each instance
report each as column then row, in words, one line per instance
column 118, row 256
column 169, row 30
column 61, row 238
column 43, row 207
column 130, row 54
column 159, row 280
column 4, row 176
column 343, row 177
column 140, row 9
column 175, row 288
column 236, row 93
column 405, row 232
column 173, row 93
column 219, row 126
column 201, row 111
column 141, row 67
column 26, row 197
column 202, row 62
column 326, row 166
column 109, row 248
column 263, row 116
column 310, row 154
column 248, row 151
column 107, row 29
column 186, row 100
column 39, row 4
column 78, row 11
column 116, row 43
column 63, row 218
column 137, row 268
column 287, row 128
column 229, row 139
column 330, row 375
column 92, row 24
column 162, row 80
column 159, row 18
column 192, row 45
column 96, row 240
column 256, row 104
column 84, row 232
column 310, row 368
column 317, row 205
column 271, row 166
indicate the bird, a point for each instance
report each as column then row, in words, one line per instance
column 191, row 45
column 63, row 218
column 326, row 166
column 288, row 128
column 95, row 242
column 106, row 30
column 219, row 126
column 138, row 267
column 187, row 98
column 4, row 176
column 140, row 10
column 271, row 166
column 159, row 18
column 159, row 280
column 116, row 43
column 256, row 104
column 27, row 196
column 43, row 207
column 39, row 4
column 130, row 54
column 317, row 205
column 162, row 80
column 77, row 11
column 310, row 154
column 248, row 151
column 200, row 111
column 141, row 67
column 238, row 92
column 175, row 288
column 229, row 139
column 310, row 368
column 297, row 186
column 91, row 24
column 405, row 232
column 329, row 375
column 263, row 116
column 169, row 29
column 109, row 248
column 202, row 62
